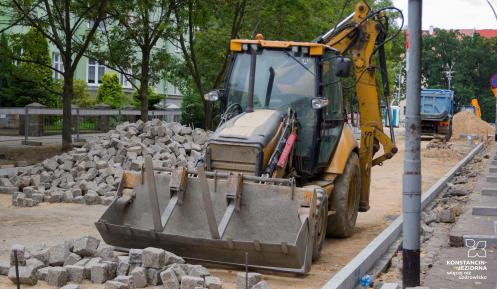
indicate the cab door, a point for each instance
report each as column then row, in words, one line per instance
column 332, row 116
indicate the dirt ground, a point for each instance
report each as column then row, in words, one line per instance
column 57, row 222
column 10, row 155
column 385, row 202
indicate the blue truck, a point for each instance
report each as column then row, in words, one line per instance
column 437, row 109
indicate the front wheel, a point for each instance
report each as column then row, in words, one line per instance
column 345, row 200
column 321, row 226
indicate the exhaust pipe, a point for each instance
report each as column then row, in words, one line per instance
column 250, row 96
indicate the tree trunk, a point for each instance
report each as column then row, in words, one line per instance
column 144, row 99
column 144, row 85
column 66, row 111
column 207, row 114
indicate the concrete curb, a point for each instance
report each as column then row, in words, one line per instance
column 490, row 240
column 484, row 211
column 348, row 277
column 489, row 192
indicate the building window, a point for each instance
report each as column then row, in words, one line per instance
column 124, row 81
column 96, row 71
column 177, row 46
column 57, row 64
column 176, row 118
column 18, row 61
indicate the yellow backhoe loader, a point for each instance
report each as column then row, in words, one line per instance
column 283, row 169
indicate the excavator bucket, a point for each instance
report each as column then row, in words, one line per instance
column 215, row 217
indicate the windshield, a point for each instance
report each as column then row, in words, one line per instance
column 281, row 79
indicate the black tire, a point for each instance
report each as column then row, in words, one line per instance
column 449, row 132
column 345, row 200
column 321, row 226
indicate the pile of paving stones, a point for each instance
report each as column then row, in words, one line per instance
column 91, row 174
column 89, row 259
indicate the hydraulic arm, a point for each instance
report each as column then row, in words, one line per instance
column 362, row 34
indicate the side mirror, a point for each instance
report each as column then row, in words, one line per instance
column 319, row 102
column 342, row 67
column 213, row 95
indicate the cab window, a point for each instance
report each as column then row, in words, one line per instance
column 331, row 88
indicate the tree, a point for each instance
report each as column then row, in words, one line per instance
column 204, row 29
column 63, row 23
column 192, row 109
column 152, row 97
column 6, row 67
column 131, row 37
column 29, row 81
column 81, row 96
column 110, row 91
column 473, row 59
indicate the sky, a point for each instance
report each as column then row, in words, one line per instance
column 455, row 14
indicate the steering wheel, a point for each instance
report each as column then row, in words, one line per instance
column 232, row 110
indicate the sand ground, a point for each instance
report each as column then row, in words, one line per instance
column 52, row 223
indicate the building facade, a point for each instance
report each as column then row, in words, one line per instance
column 91, row 71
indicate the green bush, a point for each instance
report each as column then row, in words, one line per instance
column 31, row 79
column 110, row 91
column 81, row 96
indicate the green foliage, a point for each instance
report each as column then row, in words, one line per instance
column 31, row 80
column 110, row 91
column 204, row 61
column 134, row 42
column 474, row 61
column 6, row 66
column 153, row 98
column 81, row 96
column 192, row 109
column 64, row 24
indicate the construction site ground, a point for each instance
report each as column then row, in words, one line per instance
column 53, row 223
column 480, row 229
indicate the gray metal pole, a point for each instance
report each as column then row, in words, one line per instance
column 411, row 185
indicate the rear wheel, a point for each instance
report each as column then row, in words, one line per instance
column 345, row 200
column 449, row 132
column 445, row 131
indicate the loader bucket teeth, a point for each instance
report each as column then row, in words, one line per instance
column 218, row 219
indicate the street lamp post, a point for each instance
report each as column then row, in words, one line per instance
column 449, row 73
column 411, row 182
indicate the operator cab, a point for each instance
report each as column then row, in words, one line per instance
column 302, row 76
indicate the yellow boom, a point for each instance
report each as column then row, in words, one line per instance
column 359, row 36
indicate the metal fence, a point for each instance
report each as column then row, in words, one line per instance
column 37, row 121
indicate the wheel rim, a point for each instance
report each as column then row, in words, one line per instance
column 320, row 227
column 351, row 203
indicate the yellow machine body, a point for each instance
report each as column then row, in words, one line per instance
column 256, row 190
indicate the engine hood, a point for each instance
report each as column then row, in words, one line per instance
column 256, row 127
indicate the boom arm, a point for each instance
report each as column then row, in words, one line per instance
column 360, row 34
